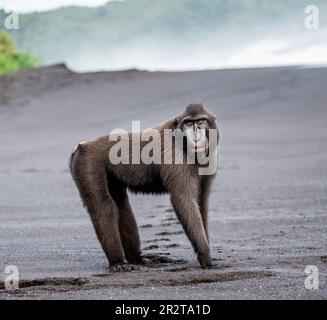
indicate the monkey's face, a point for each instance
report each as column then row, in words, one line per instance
column 195, row 130
column 200, row 134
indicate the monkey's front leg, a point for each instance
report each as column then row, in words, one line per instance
column 188, row 213
column 204, row 202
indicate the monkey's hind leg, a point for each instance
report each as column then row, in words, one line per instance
column 129, row 232
column 106, row 224
column 103, row 211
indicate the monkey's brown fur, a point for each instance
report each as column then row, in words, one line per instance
column 103, row 190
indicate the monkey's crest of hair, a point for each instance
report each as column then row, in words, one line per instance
column 195, row 108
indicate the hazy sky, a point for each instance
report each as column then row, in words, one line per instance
column 43, row 5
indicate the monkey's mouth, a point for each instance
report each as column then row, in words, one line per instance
column 199, row 149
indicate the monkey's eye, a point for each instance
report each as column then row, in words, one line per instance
column 189, row 124
column 199, row 122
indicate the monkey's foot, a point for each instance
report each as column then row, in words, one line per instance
column 122, row 266
column 150, row 259
column 205, row 261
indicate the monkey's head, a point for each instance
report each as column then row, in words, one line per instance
column 195, row 123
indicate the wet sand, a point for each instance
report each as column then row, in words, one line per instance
column 268, row 212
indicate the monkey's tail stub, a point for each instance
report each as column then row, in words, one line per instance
column 77, row 149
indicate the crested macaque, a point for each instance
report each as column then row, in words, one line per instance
column 103, row 184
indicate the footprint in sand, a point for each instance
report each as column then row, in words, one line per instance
column 166, row 233
column 157, row 240
column 173, row 245
column 169, row 219
column 151, row 247
column 146, row 226
column 167, row 224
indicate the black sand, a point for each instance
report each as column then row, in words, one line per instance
column 268, row 217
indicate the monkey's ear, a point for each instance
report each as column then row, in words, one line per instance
column 176, row 121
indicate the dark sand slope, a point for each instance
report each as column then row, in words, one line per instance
column 269, row 204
